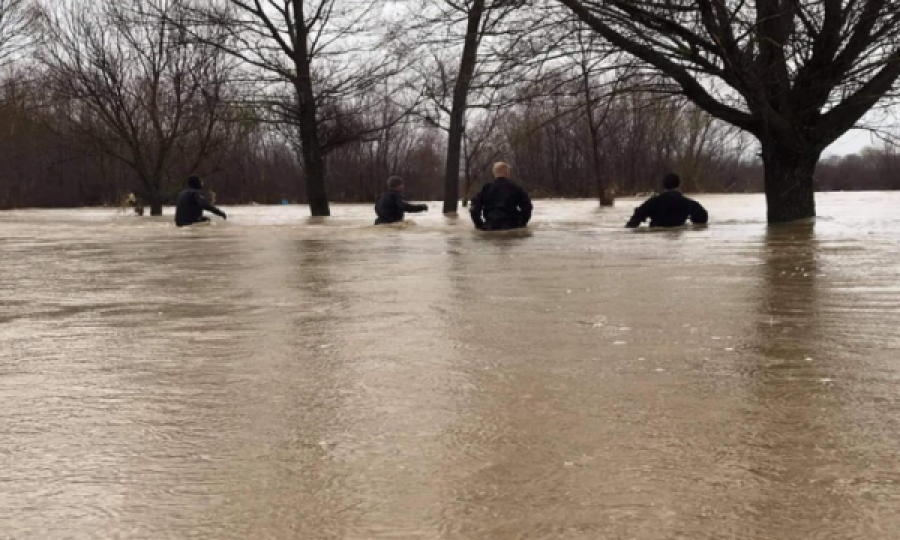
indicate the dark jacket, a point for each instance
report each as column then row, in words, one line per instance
column 501, row 205
column 391, row 206
column 668, row 209
column 190, row 206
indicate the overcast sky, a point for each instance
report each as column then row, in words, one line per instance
column 852, row 142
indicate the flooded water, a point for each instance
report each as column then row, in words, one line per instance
column 275, row 376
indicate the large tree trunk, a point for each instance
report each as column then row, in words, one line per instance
column 314, row 167
column 789, row 169
column 153, row 197
column 458, row 110
column 311, row 152
column 307, row 115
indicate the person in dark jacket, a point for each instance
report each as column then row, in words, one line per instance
column 391, row 205
column 501, row 204
column 191, row 203
column 669, row 208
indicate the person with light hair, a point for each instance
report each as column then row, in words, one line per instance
column 392, row 206
column 501, row 204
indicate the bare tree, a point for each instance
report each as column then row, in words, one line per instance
column 316, row 59
column 704, row 142
column 593, row 61
column 480, row 151
column 794, row 74
column 136, row 88
column 17, row 18
column 470, row 52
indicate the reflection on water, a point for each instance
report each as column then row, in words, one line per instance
column 275, row 376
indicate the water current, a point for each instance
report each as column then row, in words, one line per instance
column 278, row 376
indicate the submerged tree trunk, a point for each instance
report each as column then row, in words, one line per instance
column 314, row 167
column 458, row 111
column 311, row 151
column 156, row 206
column 604, row 193
column 789, row 170
column 152, row 196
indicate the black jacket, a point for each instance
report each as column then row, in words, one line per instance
column 501, row 205
column 668, row 209
column 190, row 206
column 391, row 206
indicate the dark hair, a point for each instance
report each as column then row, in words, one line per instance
column 194, row 182
column 671, row 181
column 394, row 182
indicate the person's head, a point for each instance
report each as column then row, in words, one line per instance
column 395, row 183
column 501, row 170
column 194, row 182
column 671, row 181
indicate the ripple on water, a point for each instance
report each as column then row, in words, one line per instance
column 275, row 376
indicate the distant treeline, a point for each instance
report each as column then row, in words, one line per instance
column 548, row 142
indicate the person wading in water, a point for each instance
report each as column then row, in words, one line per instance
column 391, row 205
column 191, row 203
column 501, row 204
column 669, row 208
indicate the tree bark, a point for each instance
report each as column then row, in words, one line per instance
column 605, row 194
column 314, row 168
column 152, row 195
column 789, row 170
column 155, row 199
column 312, row 153
column 458, row 110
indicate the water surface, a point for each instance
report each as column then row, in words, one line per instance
column 276, row 376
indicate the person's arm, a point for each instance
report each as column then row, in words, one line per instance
column 414, row 208
column 476, row 205
column 641, row 213
column 204, row 204
column 525, row 206
column 698, row 214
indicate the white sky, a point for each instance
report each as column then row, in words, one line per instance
column 851, row 143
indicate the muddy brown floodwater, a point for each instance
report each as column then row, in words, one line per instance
column 276, row 376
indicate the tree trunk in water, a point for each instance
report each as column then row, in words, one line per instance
column 607, row 197
column 604, row 193
column 458, row 110
column 314, row 166
column 790, row 190
column 307, row 116
column 153, row 197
